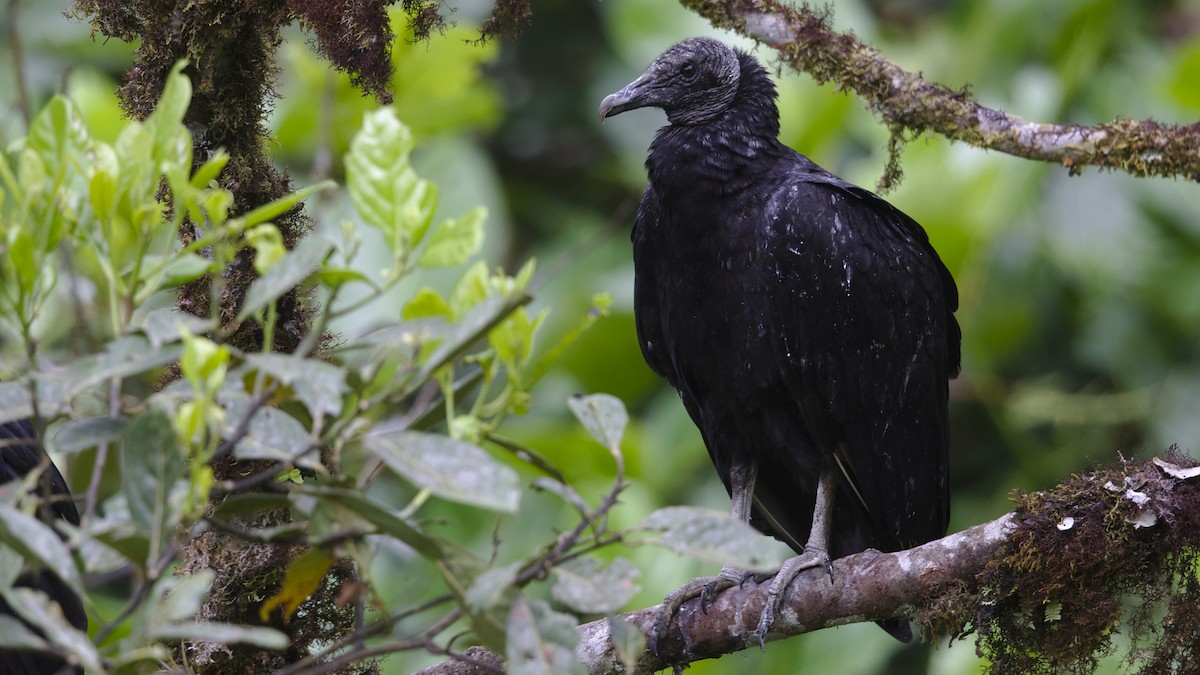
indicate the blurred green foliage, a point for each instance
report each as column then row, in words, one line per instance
column 1080, row 295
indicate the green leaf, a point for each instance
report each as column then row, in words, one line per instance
column 477, row 323
column 288, row 273
column 39, row 544
column 102, row 189
column 584, row 586
column 470, row 290
column 628, row 641
column 171, row 610
column 209, row 171
column 381, row 517
column 178, row 598
column 267, row 241
column 455, row 240
column 275, row 208
column 88, row 433
column 426, row 304
column 164, row 326
column 222, row 633
column 164, row 122
column 540, row 640
column 334, row 277
column 250, row 503
column 180, row 269
column 14, row 635
column 37, row 609
column 386, row 192
column 451, row 469
column 151, row 465
column 61, row 140
column 713, row 536
column 513, row 338
column 272, row 434
column 489, row 588
column 317, row 384
column 121, row 358
column 15, row 402
column 603, row 415
column 563, row 490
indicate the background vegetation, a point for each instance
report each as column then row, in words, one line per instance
column 1080, row 295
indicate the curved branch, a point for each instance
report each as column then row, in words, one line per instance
column 867, row 586
column 907, row 102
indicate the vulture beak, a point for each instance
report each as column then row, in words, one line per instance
column 636, row 94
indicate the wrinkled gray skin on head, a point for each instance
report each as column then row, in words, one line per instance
column 693, row 82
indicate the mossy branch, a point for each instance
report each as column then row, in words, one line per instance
column 1032, row 584
column 910, row 105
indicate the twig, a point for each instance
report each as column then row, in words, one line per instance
column 24, row 106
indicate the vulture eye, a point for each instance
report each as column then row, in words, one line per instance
column 688, row 70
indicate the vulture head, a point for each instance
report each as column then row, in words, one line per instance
column 693, row 82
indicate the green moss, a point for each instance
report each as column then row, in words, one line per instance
column 1076, row 570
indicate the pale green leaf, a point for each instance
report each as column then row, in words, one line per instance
column 489, row 588
column 318, row 385
column 426, row 303
column 334, row 277
column 585, row 586
column 164, row 122
column 60, row 138
column 713, row 536
column 39, row 544
column 180, row 269
column 275, row 208
column 164, row 326
column 222, row 633
column 628, row 641
column 451, row 469
column 15, row 402
column 540, row 640
column 386, row 192
column 455, row 240
column 603, row 415
column 180, row 597
column 125, row 356
column 79, row 435
column 382, row 517
column 151, row 465
column 41, row 612
column 477, row 323
column 288, row 273
column 15, row 635
column 272, row 433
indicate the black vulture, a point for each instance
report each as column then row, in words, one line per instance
column 20, row 454
column 807, row 324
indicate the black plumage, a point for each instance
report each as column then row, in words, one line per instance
column 20, row 454
column 807, row 324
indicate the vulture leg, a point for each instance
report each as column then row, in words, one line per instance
column 741, row 488
column 816, row 554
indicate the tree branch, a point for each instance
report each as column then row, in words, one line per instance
column 867, row 586
column 908, row 103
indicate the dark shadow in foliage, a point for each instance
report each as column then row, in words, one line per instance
column 20, row 454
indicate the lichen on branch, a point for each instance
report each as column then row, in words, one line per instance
column 909, row 105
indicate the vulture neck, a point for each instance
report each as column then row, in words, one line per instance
column 725, row 154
